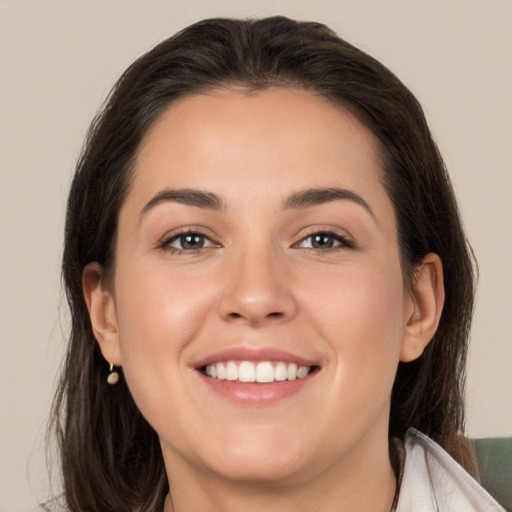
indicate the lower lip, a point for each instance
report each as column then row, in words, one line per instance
column 253, row 393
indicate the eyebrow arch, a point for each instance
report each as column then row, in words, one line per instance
column 187, row 196
column 316, row 196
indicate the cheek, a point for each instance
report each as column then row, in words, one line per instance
column 158, row 316
column 158, row 319
column 363, row 320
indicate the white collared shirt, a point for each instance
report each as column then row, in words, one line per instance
column 434, row 482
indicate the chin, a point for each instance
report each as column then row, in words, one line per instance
column 265, row 459
column 273, row 469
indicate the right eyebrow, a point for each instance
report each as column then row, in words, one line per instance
column 187, row 196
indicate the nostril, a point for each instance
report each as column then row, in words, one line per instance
column 273, row 315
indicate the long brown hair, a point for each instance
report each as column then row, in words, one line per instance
column 111, row 457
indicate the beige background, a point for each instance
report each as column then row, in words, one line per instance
column 58, row 59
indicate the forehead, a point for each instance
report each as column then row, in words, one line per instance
column 239, row 135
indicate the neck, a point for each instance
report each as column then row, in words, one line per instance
column 364, row 480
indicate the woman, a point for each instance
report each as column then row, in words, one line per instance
column 270, row 288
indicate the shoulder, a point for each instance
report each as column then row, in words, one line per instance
column 51, row 506
column 433, row 481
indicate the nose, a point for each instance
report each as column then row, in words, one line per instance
column 257, row 290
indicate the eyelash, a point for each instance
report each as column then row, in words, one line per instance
column 343, row 242
column 165, row 244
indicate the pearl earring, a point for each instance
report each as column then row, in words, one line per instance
column 113, row 377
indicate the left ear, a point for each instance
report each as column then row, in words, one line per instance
column 424, row 308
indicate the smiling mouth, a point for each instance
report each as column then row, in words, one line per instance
column 257, row 372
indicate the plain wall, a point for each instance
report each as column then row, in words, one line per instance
column 58, row 60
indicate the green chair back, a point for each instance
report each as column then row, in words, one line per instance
column 494, row 458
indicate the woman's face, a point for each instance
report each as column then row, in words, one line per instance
column 257, row 238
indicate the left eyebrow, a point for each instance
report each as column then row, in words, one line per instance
column 316, row 196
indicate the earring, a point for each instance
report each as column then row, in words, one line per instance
column 113, row 377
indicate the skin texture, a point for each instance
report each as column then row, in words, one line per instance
column 257, row 282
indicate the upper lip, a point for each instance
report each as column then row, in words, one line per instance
column 254, row 354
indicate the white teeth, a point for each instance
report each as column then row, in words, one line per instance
column 246, row 372
column 221, row 371
column 301, row 372
column 280, row 372
column 231, row 371
column 263, row 372
column 291, row 371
